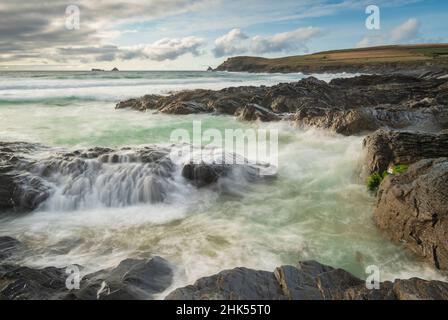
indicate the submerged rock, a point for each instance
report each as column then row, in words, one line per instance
column 203, row 174
column 347, row 106
column 412, row 208
column 105, row 177
column 310, row 280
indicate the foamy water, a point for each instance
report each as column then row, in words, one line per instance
column 316, row 209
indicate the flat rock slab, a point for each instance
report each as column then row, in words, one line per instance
column 310, row 280
column 385, row 148
column 347, row 106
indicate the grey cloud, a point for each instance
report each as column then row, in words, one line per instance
column 231, row 43
column 164, row 49
column 39, row 28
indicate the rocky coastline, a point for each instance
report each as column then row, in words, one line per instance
column 147, row 279
column 405, row 119
column 347, row 106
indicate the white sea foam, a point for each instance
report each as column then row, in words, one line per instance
column 316, row 209
column 116, row 86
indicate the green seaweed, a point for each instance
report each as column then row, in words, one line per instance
column 375, row 179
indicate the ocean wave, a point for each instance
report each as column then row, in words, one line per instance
column 48, row 101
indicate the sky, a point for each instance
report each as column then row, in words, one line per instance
column 195, row 34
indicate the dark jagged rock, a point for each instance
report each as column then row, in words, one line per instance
column 235, row 284
column 23, row 283
column 114, row 69
column 203, row 173
column 252, row 111
column 385, row 148
column 346, row 106
column 131, row 279
column 135, row 279
column 181, row 107
column 19, row 191
column 412, row 208
column 310, row 280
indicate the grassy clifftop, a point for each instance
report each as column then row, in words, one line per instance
column 374, row 59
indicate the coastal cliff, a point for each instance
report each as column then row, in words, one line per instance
column 409, row 59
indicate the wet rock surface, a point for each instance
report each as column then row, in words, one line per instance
column 132, row 279
column 204, row 174
column 141, row 279
column 385, row 148
column 347, row 106
column 310, row 280
column 412, row 208
column 19, row 191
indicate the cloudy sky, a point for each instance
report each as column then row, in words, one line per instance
column 193, row 34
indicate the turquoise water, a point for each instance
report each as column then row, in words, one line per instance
column 316, row 209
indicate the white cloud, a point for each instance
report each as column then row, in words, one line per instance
column 237, row 42
column 370, row 41
column 231, row 43
column 285, row 41
column 170, row 49
column 406, row 31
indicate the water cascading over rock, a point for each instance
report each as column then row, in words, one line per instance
column 104, row 177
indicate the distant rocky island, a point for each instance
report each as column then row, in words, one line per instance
column 102, row 70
